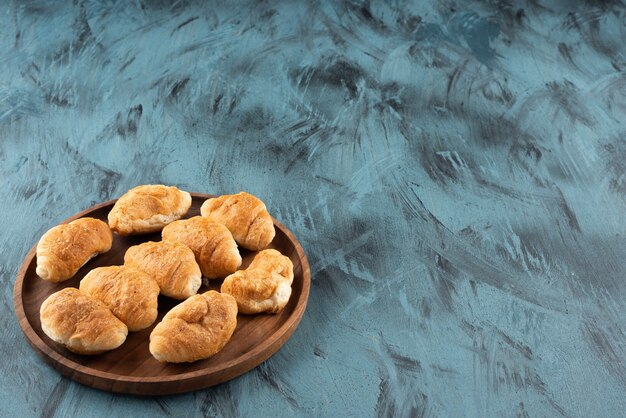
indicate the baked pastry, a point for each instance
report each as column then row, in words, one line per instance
column 148, row 208
column 212, row 244
column 171, row 263
column 64, row 249
column 129, row 293
column 265, row 286
column 81, row 323
column 195, row 329
column 245, row 216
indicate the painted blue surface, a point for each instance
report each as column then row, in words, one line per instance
column 454, row 170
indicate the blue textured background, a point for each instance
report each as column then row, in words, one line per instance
column 455, row 171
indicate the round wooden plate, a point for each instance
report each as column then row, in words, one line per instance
column 131, row 368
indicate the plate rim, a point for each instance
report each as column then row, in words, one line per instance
column 261, row 352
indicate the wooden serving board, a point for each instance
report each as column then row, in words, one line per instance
column 131, row 368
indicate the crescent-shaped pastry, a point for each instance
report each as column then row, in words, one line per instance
column 129, row 293
column 81, row 323
column 148, row 208
column 171, row 263
column 195, row 329
column 64, row 249
column 245, row 216
column 213, row 245
column 265, row 286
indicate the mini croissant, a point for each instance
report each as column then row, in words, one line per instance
column 171, row 263
column 245, row 216
column 148, row 208
column 265, row 286
column 212, row 244
column 195, row 329
column 81, row 323
column 129, row 293
column 64, row 249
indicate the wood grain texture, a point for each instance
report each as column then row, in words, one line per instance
column 131, row 368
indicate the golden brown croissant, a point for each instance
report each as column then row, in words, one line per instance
column 245, row 216
column 81, row 323
column 64, row 249
column 212, row 244
column 265, row 286
column 195, row 329
column 148, row 208
column 129, row 293
column 171, row 263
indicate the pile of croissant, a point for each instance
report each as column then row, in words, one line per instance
column 113, row 300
